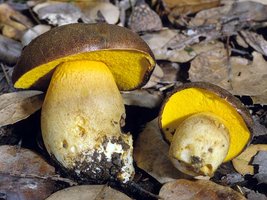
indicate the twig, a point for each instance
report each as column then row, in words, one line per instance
column 136, row 186
column 34, row 17
column 52, row 177
column 6, row 76
column 229, row 67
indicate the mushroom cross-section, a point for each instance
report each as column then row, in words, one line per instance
column 83, row 110
column 205, row 126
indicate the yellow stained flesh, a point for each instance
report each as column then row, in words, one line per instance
column 128, row 67
column 191, row 101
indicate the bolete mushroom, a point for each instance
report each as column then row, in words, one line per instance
column 83, row 111
column 205, row 126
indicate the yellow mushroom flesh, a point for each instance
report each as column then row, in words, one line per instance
column 204, row 130
column 81, row 122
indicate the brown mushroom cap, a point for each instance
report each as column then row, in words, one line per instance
column 233, row 102
column 74, row 40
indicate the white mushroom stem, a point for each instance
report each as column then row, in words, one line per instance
column 81, row 122
column 200, row 144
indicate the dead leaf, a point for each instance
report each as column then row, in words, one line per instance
column 197, row 190
column 151, row 154
column 33, row 32
column 13, row 22
column 258, row 1
column 143, row 18
column 256, row 41
column 260, row 160
column 210, row 16
column 142, row 98
column 182, row 7
column 94, row 11
column 155, row 77
column 10, row 50
column 242, row 162
column 57, row 13
column 19, row 172
column 246, row 78
column 252, row 195
column 86, row 192
column 17, row 106
column 171, row 45
column 248, row 11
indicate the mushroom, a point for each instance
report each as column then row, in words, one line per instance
column 83, row 111
column 205, row 126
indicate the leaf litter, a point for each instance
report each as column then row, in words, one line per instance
column 221, row 42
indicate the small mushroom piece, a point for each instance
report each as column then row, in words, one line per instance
column 205, row 126
column 83, row 111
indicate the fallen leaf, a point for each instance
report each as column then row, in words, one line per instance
column 142, row 98
column 210, row 16
column 17, row 106
column 242, row 162
column 173, row 46
column 258, row 1
column 10, row 50
column 233, row 178
column 155, row 77
column 92, row 192
column 256, row 41
column 260, row 160
column 197, row 190
column 246, row 78
column 57, row 13
column 252, row 195
column 95, row 10
column 258, row 128
column 184, row 7
column 13, row 22
column 248, row 11
column 20, row 172
column 33, row 32
column 143, row 18
column 151, row 154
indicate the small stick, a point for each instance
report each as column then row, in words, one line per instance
column 52, row 177
column 6, row 76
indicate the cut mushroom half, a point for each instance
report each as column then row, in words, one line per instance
column 83, row 111
column 205, row 126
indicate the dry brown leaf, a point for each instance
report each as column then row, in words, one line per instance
column 258, row 1
column 171, row 45
column 142, row 98
column 143, row 18
column 58, row 13
column 20, row 172
column 17, row 106
column 10, row 50
column 256, row 41
column 242, row 162
column 189, row 6
column 197, row 190
column 86, row 192
column 210, row 16
column 13, row 22
column 151, row 154
column 93, row 11
column 247, row 78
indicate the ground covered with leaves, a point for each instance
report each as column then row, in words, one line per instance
column 223, row 42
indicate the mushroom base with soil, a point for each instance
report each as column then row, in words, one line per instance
column 81, row 122
column 200, row 144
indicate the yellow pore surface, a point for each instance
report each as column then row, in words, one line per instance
column 128, row 67
column 194, row 100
